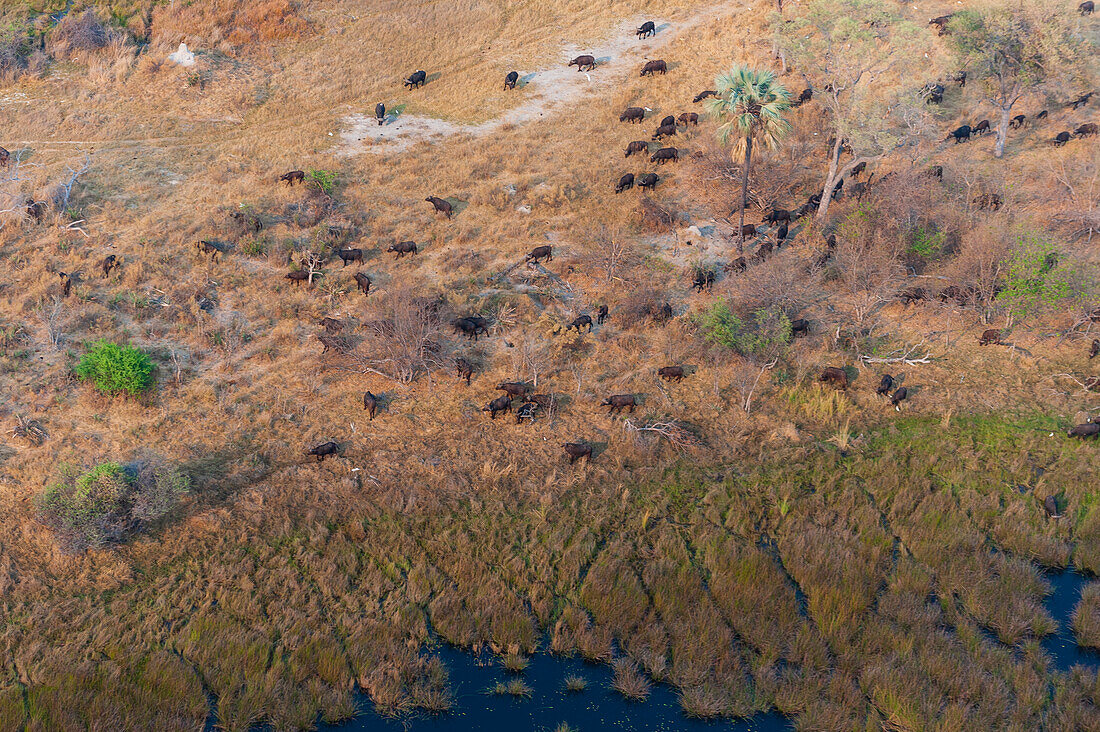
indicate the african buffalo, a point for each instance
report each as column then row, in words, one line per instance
column 500, row 404
column 981, row 128
column 899, row 396
column 206, row 247
column 625, row 183
column 5, row 158
column 653, row 67
column 1060, row 139
column 991, row 336
column 1081, row 100
column 470, row 327
column 638, row 146
column 545, row 252
column 441, row 206
column 649, row 180
column 805, row 96
column 664, row 131
column 632, row 115
column 324, row 450
column 363, row 281
column 402, row 248
column 370, row 404
column 293, row 177
column 577, row 450
column 703, row 95
column 619, row 402
column 380, row 113
column 738, row 265
column 836, row 376
column 668, row 119
column 776, row 215
column 800, row 327
column 331, row 325
column 962, row 134
column 885, row 385
column 687, row 118
column 646, row 29
column 1086, row 7
column 671, row 373
column 350, row 255
column 584, row 63
column 665, row 154
column 109, row 262
column 510, row 80
column 297, row 276
column 703, row 279
column 526, row 411
column 1087, row 129
column 1094, row 351
column 415, row 80
column 464, row 369
column 940, row 24
column 1089, row 429
column 581, row 321
column 601, row 314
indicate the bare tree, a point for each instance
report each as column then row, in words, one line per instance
column 404, row 342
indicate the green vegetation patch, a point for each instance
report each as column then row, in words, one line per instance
column 115, row 369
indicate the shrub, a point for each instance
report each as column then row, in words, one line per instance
column 322, row 180
column 769, row 330
column 109, row 502
column 1034, row 282
column 15, row 47
column 79, row 32
column 115, row 369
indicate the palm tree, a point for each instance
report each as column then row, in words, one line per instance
column 750, row 106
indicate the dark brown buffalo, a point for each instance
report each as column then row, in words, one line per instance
column 703, row 95
column 668, row 119
column 1086, row 7
column 581, row 321
column 619, row 402
column 646, row 29
column 632, row 115
column 108, row 263
column 776, row 215
column 584, row 63
column 526, row 411
column 638, row 146
column 1060, row 139
column 899, row 396
column 601, row 314
column 402, row 248
column 350, row 255
column 206, row 247
column 738, row 265
column 1089, row 429
column 665, row 154
column 703, row 279
column 990, row 337
column 858, row 170
column 500, row 404
column 471, row 326
column 664, row 131
column 1081, row 100
column 545, row 252
column 514, row 389
column 805, row 96
column 1050, row 506
column 940, row 24
column 577, row 450
column 961, row 134
column 67, row 284
column 838, row 377
column 936, row 171
column 36, row 210
column 653, row 67
column 748, row 229
column 5, row 158
column 298, row 276
column 625, row 183
column 510, row 80
column 415, row 80
column 324, row 450
column 1042, row 115
column 959, row 78
column 1087, row 129
column 671, row 373
column 293, row 177
column 885, row 385
column 781, row 233
column 800, row 327
column 441, row 206
column 370, row 404
column 380, row 113
column 981, row 128
column 649, row 180
column 363, row 281
column 464, row 369
column 688, row 118
column 331, row 325
column 763, row 251
column 1094, row 351
column 1018, row 121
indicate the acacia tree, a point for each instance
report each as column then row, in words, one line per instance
column 1015, row 51
column 750, row 106
column 855, row 54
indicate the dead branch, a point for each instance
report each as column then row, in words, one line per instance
column 905, row 356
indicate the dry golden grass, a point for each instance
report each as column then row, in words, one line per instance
column 848, row 585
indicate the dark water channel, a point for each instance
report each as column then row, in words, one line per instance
column 598, row 707
column 1060, row 603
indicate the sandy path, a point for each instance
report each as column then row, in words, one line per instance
column 545, row 90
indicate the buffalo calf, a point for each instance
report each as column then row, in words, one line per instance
column 885, row 385
column 109, row 262
column 464, row 369
column 899, row 396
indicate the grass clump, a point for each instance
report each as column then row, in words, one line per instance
column 515, row 662
column 1086, row 616
column 629, row 680
column 576, row 684
column 109, row 503
column 115, row 369
column 515, row 687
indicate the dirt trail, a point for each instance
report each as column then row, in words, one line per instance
column 544, row 90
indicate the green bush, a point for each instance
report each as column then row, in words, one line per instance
column 1035, row 282
column 322, row 180
column 767, row 332
column 109, row 502
column 115, row 369
column 926, row 242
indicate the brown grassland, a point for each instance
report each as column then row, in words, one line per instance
column 781, row 545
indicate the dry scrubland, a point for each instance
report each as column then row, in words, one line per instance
column 821, row 553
